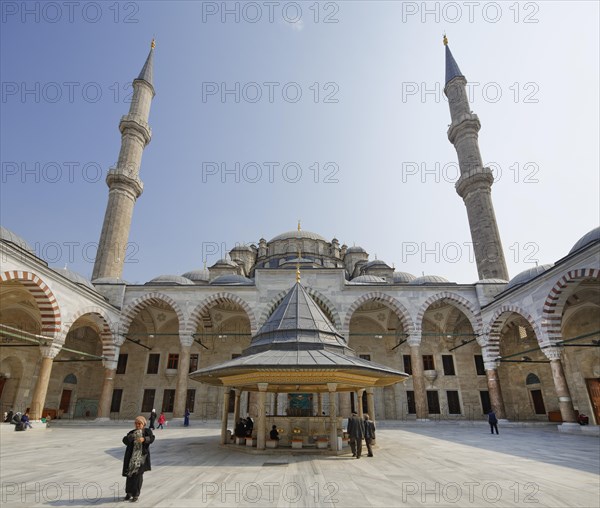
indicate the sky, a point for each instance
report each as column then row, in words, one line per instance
column 331, row 113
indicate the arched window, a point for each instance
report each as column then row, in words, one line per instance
column 532, row 379
column 71, row 379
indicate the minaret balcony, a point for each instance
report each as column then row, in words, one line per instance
column 138, row 124
column 469, row 121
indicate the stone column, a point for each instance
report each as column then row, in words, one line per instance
column 333, row 442
column 399, row 414
column 261, row 423
column 493, row 382
column 225, row 415
column 41, row 386
column 275, row 405
column 359, row 396
column 371, row 403
column 414, row 341
column 185, row 347
column 110, row 369
column 236, row 406
column 565, row 403
column 344, row 400
column 319, row 404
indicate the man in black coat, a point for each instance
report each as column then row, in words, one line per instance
column 369, row 434
column 137, row 458
column 356, row 431
column 493, row 421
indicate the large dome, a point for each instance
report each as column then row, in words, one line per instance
column 297, row 235
column 428, row 279
column 589, row 237
column 74, row 277
column 171, row 279
column 200, row 275
column 233, row 280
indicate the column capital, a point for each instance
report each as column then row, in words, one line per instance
column 50, row 351
column 109, row 364
column 186, row 340
column 414, row 339
column 553, row 353
column 490, row 365
column 262, row 387
column 360, row 391
column 118, row 339
column 332, row 387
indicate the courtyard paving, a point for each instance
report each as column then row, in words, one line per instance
column 429, row 464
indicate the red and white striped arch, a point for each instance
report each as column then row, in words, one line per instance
column 556, row 299
column 105, row 329
column 389, row 301
column 43, row 296
column 216, row 299
column 132, row 310
column 460, row 302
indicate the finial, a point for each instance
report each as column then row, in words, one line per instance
column 298, row 263
column 153, row 43
column 299, row 229
column 445, row 40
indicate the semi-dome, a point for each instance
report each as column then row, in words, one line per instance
column 200, row 275
column 232, row 279
column 171, row 279
column 403, row 277
column 224, row 262
column 297, row 235
column 74, row 277
column 377, row 263
column 428, row 279
column 526, row 275
column 9, row 236
column 589, row 237
column 369, row 279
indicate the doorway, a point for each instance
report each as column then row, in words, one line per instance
column 593, row 386
column 65, row 401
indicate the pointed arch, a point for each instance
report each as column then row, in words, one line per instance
column 131, row 311
column 107, row 330
column 387, row 300
column 323, row 302
column 457, row 301
column 557, row 297
column 495, row 324
column 216, row 299
column 43, row 296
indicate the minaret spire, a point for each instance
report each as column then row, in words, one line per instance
column 123, row 180
column 475, row 182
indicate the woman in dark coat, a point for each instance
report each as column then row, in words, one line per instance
column 137, row 458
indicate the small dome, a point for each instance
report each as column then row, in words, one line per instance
column 109, row 280
column 232, row 279
column 9, row 236
column 242, row 248
column 74, row 277
column 200, row 275
column 297, row 235
column 171, row 279
column 403, row 277
column 526, row 275
column 224, row 263
column 592, row 236
column 428, row 279
column 355, row 250
column 369, row 279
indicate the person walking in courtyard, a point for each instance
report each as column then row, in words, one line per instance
column 137, row 458
column 152, row 419
column 369, row 434
column 493, row 421
column 161, row 420
column 356, row 431
column 186, row 418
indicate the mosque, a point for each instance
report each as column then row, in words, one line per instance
column 406, row 347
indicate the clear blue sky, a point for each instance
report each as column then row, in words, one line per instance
column 372, row 115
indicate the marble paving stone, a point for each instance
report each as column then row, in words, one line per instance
column 414, row 466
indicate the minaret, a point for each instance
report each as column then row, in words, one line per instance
column 475, row 182
column 123, row 180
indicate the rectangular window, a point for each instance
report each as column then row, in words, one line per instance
column 407, row 364
column 153, row 361
column 168, row 401
column 193, row 363
column 115, row 404
column 453, row 402
column 190, row 400
column 173, row 361
column 448, row 363
column 479, row 367
column 433, row 402
column 410, row 399
column 486, row 405
column 365, row 357
column 122, row 364
column 148, row 400
column 428, row 362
